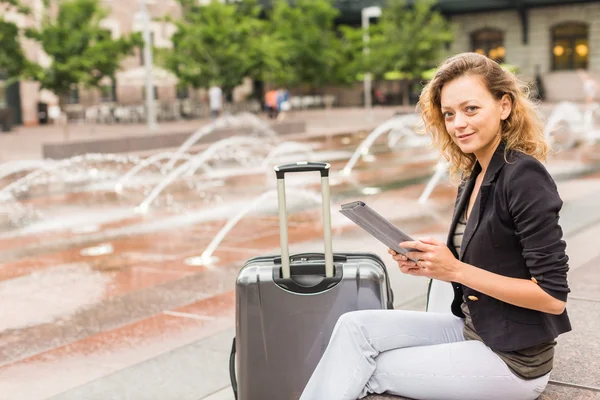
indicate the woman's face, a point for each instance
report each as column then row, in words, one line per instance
column 472, row 116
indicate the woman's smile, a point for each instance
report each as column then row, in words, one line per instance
column 463, row 137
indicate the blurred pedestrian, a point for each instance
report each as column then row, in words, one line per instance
column 283, row 103
column 379, row 96
column 215, row 99
column 271, row 103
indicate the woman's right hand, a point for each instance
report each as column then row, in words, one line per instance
column 405, row 265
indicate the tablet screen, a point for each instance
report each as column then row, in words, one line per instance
column 375, row 224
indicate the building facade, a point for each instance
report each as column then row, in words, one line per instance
column 547, row 39
column 556, row 42
column 124, row 18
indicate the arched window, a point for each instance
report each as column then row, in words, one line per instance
column 570, row 46
column 489, row 42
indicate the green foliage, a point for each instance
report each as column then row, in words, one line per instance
column 16, row 4
column 81, row 51
column 298, row 44
column 408, row 39
column 353, row 63
column 12, row 58
column 430, row 73
column 219, row 44
column 510, row 68
column 309, row 49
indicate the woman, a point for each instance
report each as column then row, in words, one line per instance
column 505, row 258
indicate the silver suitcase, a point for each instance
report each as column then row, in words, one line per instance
column 287, row 307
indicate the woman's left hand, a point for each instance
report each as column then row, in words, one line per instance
column 435, row 259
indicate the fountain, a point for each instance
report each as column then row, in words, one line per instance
column 207, row 259
column 399, row 126
column 152, row 160
column 194, row 163
column 580, row 125
column 295, row 148
column 15, row 214
column 221, row 122
column 406, row 136
column 244, row 150
column 14, row 167
column 57, row 166
column 441, row 169
column 218, row 161
column 564, row 112
column 225, row 121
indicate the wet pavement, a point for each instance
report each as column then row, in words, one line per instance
column 102, row 303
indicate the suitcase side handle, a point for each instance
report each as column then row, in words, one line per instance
column 304, row 166
column 232, row 376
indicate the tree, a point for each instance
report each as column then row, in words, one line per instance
column 311, row 52
column 352, row 53
column 12, row 58
column 408, row 40
column 81, row 51
column 16, row 4
column 219, row 44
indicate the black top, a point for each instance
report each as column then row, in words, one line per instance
column 513, row 230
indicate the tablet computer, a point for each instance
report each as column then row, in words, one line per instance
column 379, row 227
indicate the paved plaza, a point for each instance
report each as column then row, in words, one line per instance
column 101, row 302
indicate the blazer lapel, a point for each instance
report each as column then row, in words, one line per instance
column 473, row 222
column 460, row 206
column 496, row 163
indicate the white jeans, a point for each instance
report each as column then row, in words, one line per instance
column 413, row 354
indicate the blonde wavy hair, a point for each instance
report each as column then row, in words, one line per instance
column 521, row 131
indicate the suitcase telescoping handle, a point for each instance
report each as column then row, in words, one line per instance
column 304, row 166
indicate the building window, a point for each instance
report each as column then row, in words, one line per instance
column 570, row 46
column 155, row 92
column 489, row 42
column 73, row 96
column 183, row 92
column 108, row 93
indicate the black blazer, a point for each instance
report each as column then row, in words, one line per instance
column 513, row 230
